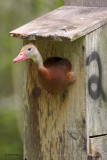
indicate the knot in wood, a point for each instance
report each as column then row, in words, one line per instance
column 36, row 91
column 73, row 133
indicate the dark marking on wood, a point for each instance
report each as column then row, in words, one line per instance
column 84, row 122
column 83, row 48
column 36, row 91
column 84, row 144
column 48, row 110
column 97, row 155
column 60, row 139
column 94, row 78
column 64, row 95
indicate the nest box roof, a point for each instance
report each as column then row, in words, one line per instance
column 66, row 23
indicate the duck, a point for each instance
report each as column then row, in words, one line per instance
column 54, row 74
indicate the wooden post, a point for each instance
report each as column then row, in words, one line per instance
column 70, row 125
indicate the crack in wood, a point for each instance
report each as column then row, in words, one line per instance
column 98, row 135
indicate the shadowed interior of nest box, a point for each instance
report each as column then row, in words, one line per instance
column 56, row 60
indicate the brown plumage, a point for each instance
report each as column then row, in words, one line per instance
column 54, row 74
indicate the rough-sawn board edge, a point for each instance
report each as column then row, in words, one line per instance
column 23, row 31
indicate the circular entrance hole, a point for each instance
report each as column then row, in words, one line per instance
column 58, row 61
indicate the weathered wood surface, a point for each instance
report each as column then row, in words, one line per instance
column 96, row 83
column 55, row 127
column 99, row 147
column 66, row 23
column 87, row 3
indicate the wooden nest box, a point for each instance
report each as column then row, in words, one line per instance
column 71, row 125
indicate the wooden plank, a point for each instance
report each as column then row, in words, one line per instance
column 98, row 147
column 66, row 23
column 87, row 3
column 96, row 82
column 55, row 127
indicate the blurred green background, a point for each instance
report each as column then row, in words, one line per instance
column 13, row 14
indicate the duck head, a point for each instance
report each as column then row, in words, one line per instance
column 28, row 51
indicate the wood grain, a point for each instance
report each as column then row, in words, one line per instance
column 99, row 147
column 58, row 127
column 96, row 92
column 66, row 23
column 55, row 127
column 87, row 3
column 64, row 125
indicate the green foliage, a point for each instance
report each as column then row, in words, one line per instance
column 10, row 142
column 13, row 14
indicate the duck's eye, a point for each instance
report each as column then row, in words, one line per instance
column 29, row 49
